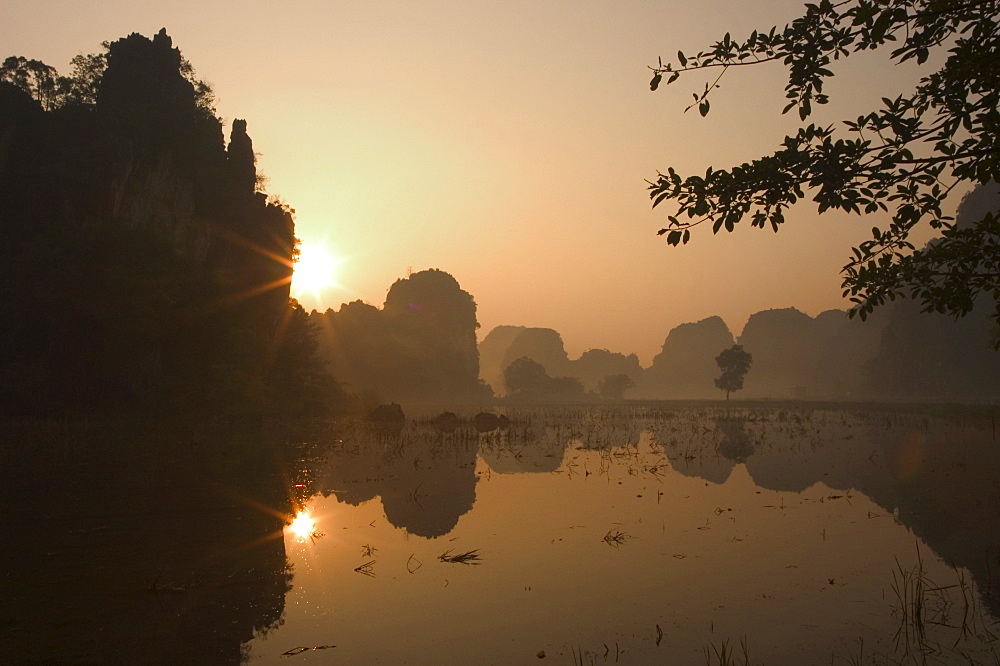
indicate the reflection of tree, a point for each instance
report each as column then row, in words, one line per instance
column 604, row 430
column 736, row 443
column 689, row 446
column 537, row 447
column 124, row 554
column 426, row 478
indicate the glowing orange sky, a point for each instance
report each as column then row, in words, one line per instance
column 506, row 143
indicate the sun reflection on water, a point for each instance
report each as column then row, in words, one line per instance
column 303, row 526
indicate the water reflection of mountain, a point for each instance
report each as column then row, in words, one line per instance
column 140, row 547
column 426, row 478
column 936, row 476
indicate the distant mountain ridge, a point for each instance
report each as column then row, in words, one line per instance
column 897, row 354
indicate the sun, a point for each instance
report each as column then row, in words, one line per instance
column 314, row 271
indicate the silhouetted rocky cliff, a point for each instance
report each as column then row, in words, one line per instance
column 141, row 268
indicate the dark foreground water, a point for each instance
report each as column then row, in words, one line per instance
column 591, row 536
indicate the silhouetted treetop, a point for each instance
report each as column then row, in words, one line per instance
column 39, row 80
column 137, row 57
column 525, row 375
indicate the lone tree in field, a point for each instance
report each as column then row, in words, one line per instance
column 734, row 363
column 613, row 387
column 525, row 374
column 904, row 157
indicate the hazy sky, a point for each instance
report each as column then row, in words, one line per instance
column 506, row 143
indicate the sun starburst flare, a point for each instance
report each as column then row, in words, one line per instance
column 315, row 271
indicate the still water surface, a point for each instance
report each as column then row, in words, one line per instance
column 647, row 536
column 631, row 535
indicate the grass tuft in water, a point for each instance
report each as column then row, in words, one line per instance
column 615, row 537
column 367, row 569
column 470, row 557
column 725, row 654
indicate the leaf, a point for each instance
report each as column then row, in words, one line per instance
column 681, row 59
column 881, row 25
column 703, row 108
column 656, row 81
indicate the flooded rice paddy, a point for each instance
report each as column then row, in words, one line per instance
column 629, row 535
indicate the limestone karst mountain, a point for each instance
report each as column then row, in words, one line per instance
column 685, row 367
column 420, row 346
